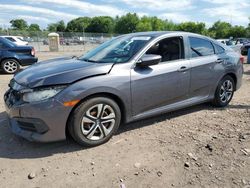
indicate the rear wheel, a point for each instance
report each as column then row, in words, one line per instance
column 95, row 121
column 224, row 92
column 10, row 66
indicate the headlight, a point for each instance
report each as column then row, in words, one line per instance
column 41, row 94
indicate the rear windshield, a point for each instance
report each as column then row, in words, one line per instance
column 7, row 43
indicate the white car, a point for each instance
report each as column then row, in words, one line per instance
column 18, row 40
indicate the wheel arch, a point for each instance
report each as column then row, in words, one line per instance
column 5, row 58
column 233, row 76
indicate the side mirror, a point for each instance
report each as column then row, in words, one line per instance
column 148, row 60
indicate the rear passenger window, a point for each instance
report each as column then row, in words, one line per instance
column 200, row 47
column 11, row 39
column 219, row 49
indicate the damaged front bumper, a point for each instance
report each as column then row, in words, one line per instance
column 43, row 121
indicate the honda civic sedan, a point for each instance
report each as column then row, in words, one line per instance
column 128, row 78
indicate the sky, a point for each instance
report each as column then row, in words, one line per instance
column 44, row 12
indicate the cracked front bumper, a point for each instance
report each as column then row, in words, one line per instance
column 42, row 121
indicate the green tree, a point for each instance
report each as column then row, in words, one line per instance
column 52, row 27
column 34, row 27
column 126, row 23
column 238, row 31
column 144, row 24
column 170, row 25
column 60, row 26
column 101, row 24
column 19, row 24
column 78, row 24
column 248, row 29
column 193, row 27
column 157, row 24
column 56, row 27
column 221, row 29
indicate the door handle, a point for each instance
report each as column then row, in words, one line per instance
column 219, row 61
column 183, row 69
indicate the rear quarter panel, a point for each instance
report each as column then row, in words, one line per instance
column 231, row 65
column 22, row 55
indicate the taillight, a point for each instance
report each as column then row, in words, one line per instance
column 242, row 59
column 33, row 52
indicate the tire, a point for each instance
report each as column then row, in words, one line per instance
column 94, row 121
column 224, row 92
column 10, row 66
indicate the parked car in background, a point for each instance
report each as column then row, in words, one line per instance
column 13, row 56
column 242, row 41
column 227, row 42
column 18, row 40
column 244, row 48
column 45, row 42
column 128, row 78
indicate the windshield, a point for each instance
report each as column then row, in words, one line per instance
column 117, row 50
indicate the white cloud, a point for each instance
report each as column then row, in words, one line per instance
column 229, row 13
column 34, row 18
column 172, row 5
column 175, row 17
column 241, row 3
column 48, row 13
column 85, row 7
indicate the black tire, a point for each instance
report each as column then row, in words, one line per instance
column 77, row 127
column 219, row 100
column 10, row 66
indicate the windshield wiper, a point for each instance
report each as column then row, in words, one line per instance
column 89, row 60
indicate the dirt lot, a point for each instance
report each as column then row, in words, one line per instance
column 200, row 146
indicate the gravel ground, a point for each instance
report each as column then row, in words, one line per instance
column 200, row 146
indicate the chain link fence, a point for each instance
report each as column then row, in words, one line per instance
column 69, row 41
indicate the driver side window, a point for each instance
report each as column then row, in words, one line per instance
column 169, row 49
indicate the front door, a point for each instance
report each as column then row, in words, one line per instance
column 166, row 83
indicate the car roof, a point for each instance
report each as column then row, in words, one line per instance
column 9, row 36
column 156, row 34
column 161, row 33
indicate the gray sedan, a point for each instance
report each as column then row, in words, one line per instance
column 128, row 78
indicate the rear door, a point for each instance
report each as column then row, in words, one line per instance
column 203, row 61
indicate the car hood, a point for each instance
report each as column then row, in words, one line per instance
column 59, row 71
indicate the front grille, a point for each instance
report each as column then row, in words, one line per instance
column 27, row 126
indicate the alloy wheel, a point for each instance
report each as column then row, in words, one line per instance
column 98, row 121
column 226, row 91
column 10, row 66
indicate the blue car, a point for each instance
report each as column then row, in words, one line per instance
column 13, row 56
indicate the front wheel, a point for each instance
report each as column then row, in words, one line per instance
column 95, row 121
column 224, row 92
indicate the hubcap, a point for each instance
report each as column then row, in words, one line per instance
column 226, row 91
column 98, row 122
column 10, row 66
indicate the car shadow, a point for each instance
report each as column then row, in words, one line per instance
column 14, row 147
column 239, row 106
column 247, row 72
